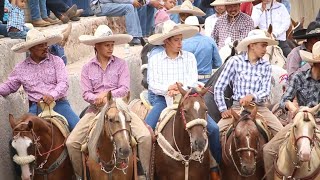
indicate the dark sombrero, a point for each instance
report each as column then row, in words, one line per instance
column 313, row 30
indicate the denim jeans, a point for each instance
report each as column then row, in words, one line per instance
column 131, row 14
column 146, row 16
column 57, row 7
column 3, row 30
column 38, row 9
column 62, row 107
column 58, row 50
column 159, row 103
column 19, row 34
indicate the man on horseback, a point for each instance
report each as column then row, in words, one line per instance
column 312, row 35
column 251, row 78
column 304, row 85
column 234, row 25
column 105, row 73
column 42, row 75
column 170, row 66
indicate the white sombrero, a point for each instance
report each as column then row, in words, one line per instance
column 35, row 37
column 228, row 2
column 255, row 36
column 193, row 21
column 170, row 29
column 186, row 7
column 105, row 34
column 313, row 57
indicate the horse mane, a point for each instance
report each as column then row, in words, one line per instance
column 30, row 117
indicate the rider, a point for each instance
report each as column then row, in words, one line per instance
column 175, row 65
column 305, row 86
column 234, row 25
column 251, row 78
column 185, row 10
column 42, row 75
column 103, row 74
column 294, row 62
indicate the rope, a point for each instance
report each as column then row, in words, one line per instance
column 23, row 160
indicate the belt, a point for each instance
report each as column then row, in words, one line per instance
column 61, row 99
column 204, row 76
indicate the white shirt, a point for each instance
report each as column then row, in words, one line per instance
column 209, row 24
column 278, row 16
column 164, row 71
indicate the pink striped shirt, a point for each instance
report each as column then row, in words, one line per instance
column 95, row 80
column 49, row 77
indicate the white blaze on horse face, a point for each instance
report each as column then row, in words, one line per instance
column 21, row 145
column 196, row 106
column 305, row 147
column 123, row 124
column 248, row 143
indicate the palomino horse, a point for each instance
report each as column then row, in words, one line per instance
column 299, row 155
column 242, row 148
column 40, row 149
column 110, row 152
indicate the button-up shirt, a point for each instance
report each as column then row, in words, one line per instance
column 49, row 77
column 206, row 52
column 114, row 78
column 247, row 79
column 237, row 29
column 16, row 17
column 305, row 88
column 164, row 71
column 277, row 15
column 295, row 62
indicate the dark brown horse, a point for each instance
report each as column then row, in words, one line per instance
column 110, row 151
column 242, row 148
column 40, row 149
column 185, row 133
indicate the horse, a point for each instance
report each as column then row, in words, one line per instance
column 110, row 153
column 242, row 148
column 299, row 154
column 40, row 147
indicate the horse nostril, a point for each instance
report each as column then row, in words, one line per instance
column 124, row 151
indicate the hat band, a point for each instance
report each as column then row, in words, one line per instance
column 232, row 1
column 315, row 31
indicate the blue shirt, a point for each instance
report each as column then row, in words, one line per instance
column 206, row 52
column 247, row 78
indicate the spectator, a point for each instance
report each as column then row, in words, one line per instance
column 246, row 8
column 210, row 22
column 15, row 27
column 185, row 10
column 62, row 11
column 5, row 15
column 1, row 9
column 161, row 15
column 39, row 15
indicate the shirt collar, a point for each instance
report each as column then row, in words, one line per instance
column 29, row 60
column 303, row 46
column 260, row 61
column 235, row 19
column 308, row 74
column 95, row 61
column 166, row 55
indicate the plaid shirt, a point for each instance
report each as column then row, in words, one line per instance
column 16, row 18
column 247, row 79
column 236, row 30
column 305, row 88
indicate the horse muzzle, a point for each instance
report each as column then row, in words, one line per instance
column 248, row 169
column 123, row 153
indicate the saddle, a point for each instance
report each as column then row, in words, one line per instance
column 165, row 116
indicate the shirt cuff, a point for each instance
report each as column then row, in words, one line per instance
column 54, row 94
column 223, row 108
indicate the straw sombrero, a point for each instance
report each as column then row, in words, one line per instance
column 255, row 36
column 186, row 7
column 36, row 37
column 193, row 21
column 104, row 34
column 170, row 29
column 228, row 2
column 313, row 57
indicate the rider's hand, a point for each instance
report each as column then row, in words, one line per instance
column 172, row 87
column 156, row 4
column 136, row 4
column 101, row 99
column 172, row 93
column 226, row 114
column 48, row 99
column 245, row 101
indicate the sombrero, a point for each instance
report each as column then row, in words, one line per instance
column 186, row 7
column 228, row 2
column 313, row 30
column 255, row 36
column 313, row 57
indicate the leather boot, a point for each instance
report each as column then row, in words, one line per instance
column 40, row 23
column 51, row 21
column 214, row 175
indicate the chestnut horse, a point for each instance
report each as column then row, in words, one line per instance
column 110, row 152
column 40, row 149
column 299, row 155
column 242, row 148
column 181, row 152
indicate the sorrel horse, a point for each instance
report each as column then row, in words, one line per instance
column 110, row 152
column 299, row 155
column 181, row 152
column 242, row 148
column 40, row 149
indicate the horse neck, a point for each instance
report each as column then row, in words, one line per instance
column 181, row 135
column 105, row 146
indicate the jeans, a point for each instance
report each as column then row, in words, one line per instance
column 19, row 34
column 57, row 7
column 131, row 14
column 62, row 107
column 3, row 30
column 58, row 50
column 38, row 9
column 146, row 17
column 159, row 103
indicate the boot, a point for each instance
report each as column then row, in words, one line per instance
column 214, row 175
column 51, row 21
column 64, row 19
column 40, row 23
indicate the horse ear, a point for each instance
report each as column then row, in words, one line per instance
column 126, row 98
column 109, row 96
column 204, row 91
column 181, row 90
column 270, row 29
column 254, row 113
column 12, row 121
column 30, row 124
column 315, row 109
column 235, row 115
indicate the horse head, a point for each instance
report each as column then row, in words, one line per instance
column 303, row 131
column 193, row 111
column 246, row 141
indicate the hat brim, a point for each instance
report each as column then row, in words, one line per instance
column 302, row 34
column 195, row 11
column 25, row 46
column 221, row 3
column 308, row 57
column 186, row 31
column 116, row 38
column 243, row 45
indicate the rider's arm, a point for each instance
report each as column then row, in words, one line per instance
column 264, row 92
column 154, row 84
column 12, row 84
column 62, row 85
column 86, row 86
column 285, row 21
column 291, row 91
column 257, row 15
column 124, row 82
column 193, row 70
column 216, row 59
column 224, row 79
